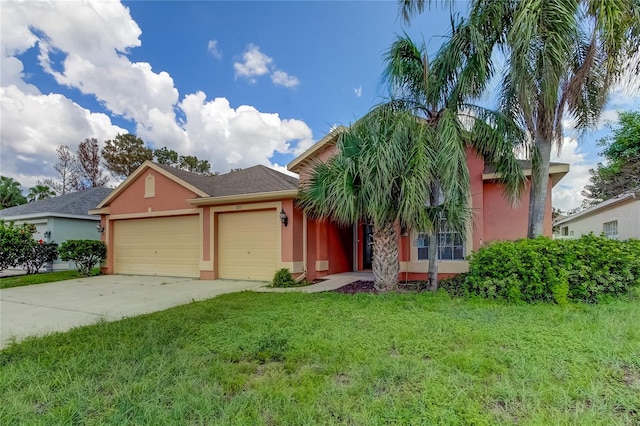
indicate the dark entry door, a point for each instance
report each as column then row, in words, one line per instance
column 367, row 246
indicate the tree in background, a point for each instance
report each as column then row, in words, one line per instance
column 189, row 163
column 40, row 192
column 124, row 154
column 68, row 172
column 562, row 58
column 621, row 171
column 10, row 193
column 166, row 156
column 89, row 170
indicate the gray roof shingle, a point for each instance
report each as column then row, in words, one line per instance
column 73, row 203
column 252, row 180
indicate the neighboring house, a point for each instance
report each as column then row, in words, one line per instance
column 618, row 218
column 61, row 218
column 245, row 224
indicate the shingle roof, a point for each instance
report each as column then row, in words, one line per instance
column 199, row 181
column 256, row 179
column 253, row 180
column 74, row 203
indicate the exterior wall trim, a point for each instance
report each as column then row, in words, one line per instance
column 245, row 198
column 149, row 214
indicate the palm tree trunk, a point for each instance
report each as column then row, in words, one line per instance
column 385, row 262
column 434, row 200
column 539, row 186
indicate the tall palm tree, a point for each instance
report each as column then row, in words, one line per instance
column 404, row 163
column 40, row 192
column 562, row 59
column 10, row 193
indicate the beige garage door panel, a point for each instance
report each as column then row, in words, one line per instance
column 248, row 245
column 167, row 246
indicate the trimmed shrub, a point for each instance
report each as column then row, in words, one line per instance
column 283, row 278
column 587, row 269
column 14, row 241
column 38, row 253
column 84, row 253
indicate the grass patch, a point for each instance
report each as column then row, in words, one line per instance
column 264, row 358
column 46, row 277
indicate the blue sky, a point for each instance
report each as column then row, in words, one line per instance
column 236, row 83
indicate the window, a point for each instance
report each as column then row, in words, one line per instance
column 450, row 244
column 149, row 186
column 564, row 231
column 610, row 229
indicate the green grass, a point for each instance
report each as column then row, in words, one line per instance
column 46, row 277
column 290, row 359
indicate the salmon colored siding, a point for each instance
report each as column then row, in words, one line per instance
column 169, row 195
column 505, row 222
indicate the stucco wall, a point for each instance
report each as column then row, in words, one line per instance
column 627, row 214
column 169, row 195
column 502, row 221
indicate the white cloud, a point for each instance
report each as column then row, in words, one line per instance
column 240, row 137
column 566, row 194
column 79, row 48
column 214, row 49
column 358, row 91
column 33, row 126
column 254, row 63
column 283, row 79
column 283, row 169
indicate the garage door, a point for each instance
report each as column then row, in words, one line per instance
column 167, row 246
column 248, row 245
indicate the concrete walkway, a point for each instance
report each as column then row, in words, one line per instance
column 44, row 308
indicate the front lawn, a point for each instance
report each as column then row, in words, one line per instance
column 45, row 277
column 254, row 358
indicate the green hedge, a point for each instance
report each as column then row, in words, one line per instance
column 587, row 269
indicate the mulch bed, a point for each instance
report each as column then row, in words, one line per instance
column 367, row 287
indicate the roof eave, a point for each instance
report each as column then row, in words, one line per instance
column 556, row 172
column 612, row 202
column 245, row 198
column 327, row 139
column 28, row 216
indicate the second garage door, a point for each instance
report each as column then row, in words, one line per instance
column 248, row 245
column 166, row 246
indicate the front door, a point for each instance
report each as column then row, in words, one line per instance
column 367, row 246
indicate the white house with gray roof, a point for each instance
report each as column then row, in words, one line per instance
column 618, row 218
column 61, row 218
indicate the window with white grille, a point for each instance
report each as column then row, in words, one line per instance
column 610, row 229
column 450, row 244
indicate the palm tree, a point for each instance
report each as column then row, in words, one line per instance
column 40, row 192
column 404, row 163
column 562, row 59
column 10, row 193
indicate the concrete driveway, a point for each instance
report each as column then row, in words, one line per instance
column 44, row 308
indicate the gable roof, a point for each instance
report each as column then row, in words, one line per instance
column 328, row 139
column 256, row 179
column 253, row 180
column 71, row 204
